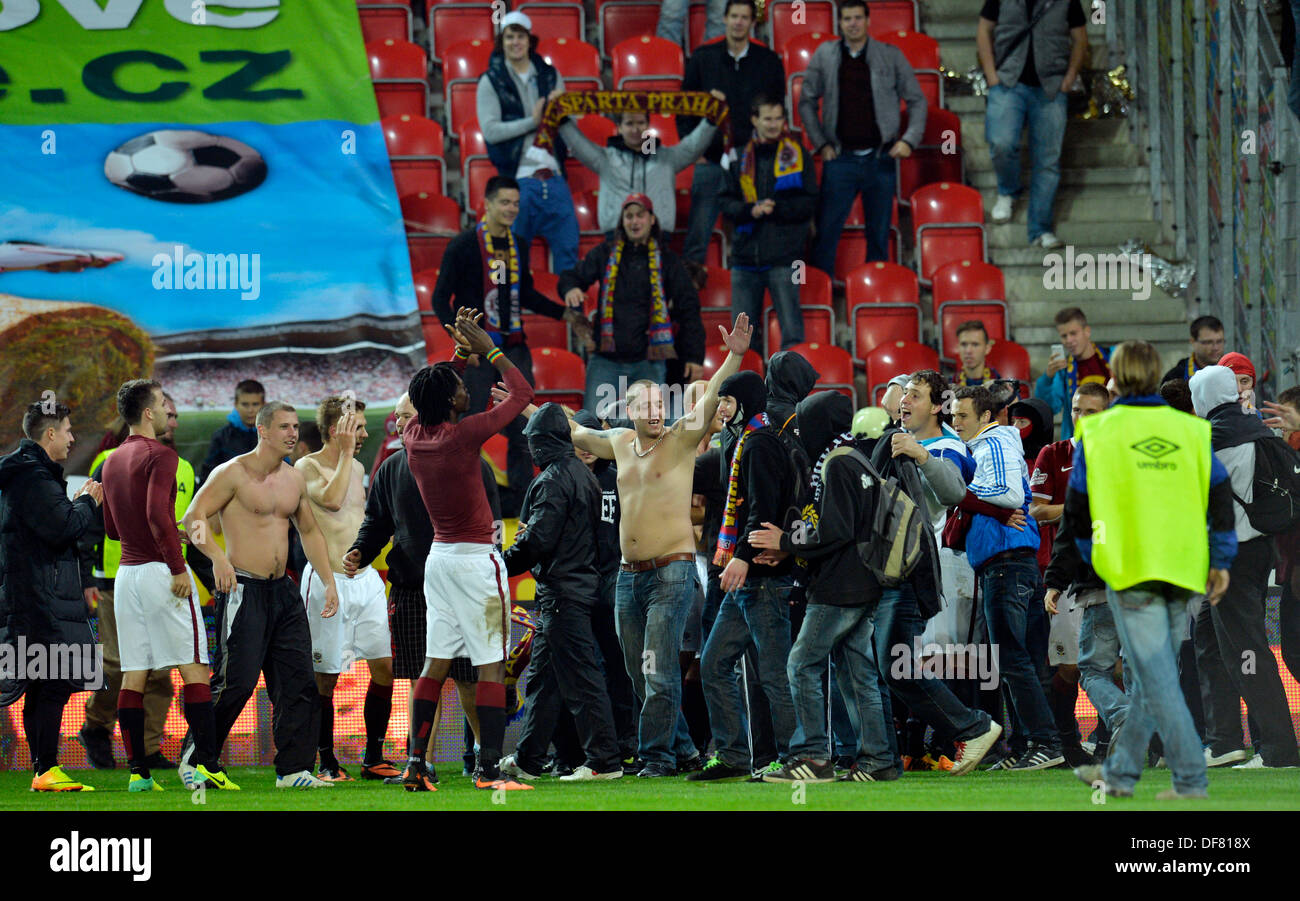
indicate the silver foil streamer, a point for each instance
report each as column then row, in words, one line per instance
column 1172, row 278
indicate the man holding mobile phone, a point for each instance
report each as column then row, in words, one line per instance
column 1074, row 362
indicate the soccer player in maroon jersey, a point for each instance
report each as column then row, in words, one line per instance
column 158, row 622
column 465, row 588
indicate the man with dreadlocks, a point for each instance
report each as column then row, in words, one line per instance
column 756, row 606
column 771, row 197
column 465, row 589
column 649, row 311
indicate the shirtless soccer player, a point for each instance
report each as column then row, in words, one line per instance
column 465, row 588
column 657, row 577
column 261, row 621
column 360, row 630
column 158, row 621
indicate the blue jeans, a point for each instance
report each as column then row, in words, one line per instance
column 747, row 289
column 843, row 633
column 1150, row 624
column 1005, row 116
column 874, row 176
column 1007, row 588
column 760, row 611
column 672, row 22
column 603, row 376
column 1098, row 652
column 546, row 209
column 650, row 610
column 898, row 622
column 707, row 185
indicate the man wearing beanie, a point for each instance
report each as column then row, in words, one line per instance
column 1244, row 371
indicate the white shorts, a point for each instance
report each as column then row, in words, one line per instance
column 1063, row 637
column 156, row 629
column 951, row 625
column 467, row 599
column 358, row 631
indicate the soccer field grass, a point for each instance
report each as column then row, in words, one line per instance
column 1047, row 790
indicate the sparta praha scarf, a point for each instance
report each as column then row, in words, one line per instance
column 664, row 103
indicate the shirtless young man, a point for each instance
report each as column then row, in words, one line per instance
column 360, row 631
column 657, row 578
column 261, row 621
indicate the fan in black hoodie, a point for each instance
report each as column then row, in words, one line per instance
column 557, row 541
column 842, row 597
column 756, row 607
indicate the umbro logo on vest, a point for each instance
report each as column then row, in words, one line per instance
column 1155, row 447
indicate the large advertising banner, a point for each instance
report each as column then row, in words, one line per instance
column 200, row 189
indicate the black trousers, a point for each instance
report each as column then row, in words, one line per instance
column 262, row 627
column 1289, row 623
column 565, row 672
column 622, row 699
column 519, row 463
column 1235, row 662
column 43, row 719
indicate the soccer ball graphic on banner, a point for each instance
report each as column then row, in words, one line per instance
column 185, row 166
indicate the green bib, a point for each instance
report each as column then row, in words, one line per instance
column 1148, row 475
column 112, row 558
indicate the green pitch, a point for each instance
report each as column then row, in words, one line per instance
column 1048, row 790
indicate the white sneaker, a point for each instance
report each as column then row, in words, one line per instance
column 1089, row 747
column 1257, row 763
column 1003, row 208
column 187, row 771
column 970, row 753
column 509, row 767
column 1048, row 241
column 301, row 779
column 585, row 773
column 1230, row 757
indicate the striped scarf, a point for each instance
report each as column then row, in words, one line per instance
column 660, row 332
column 962, row 382
column 493, row 283
column 788, row 165
column 728, row 535
column 816, row 484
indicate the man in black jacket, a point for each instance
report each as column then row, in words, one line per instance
column 756, row 606
column 771, row 197
column 842, row 598
column 789, row 379
column 41, row 602
column 557, row 542
column 740, row 68
column 239, row 434
column 648, row 312
column 486, row 269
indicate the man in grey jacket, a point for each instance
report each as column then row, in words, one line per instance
column 1031, row 52
column 635, row 162
column 849, row 107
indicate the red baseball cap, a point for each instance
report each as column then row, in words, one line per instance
column 1239, row 363
column 637, row 198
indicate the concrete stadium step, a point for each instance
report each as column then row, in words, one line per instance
column 1089, row 204
column 1136, row 176
column 1112, row 232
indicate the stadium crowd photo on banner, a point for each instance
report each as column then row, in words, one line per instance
column 853, row 406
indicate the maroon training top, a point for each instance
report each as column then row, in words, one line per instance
column 140, row 503
column 445, row 462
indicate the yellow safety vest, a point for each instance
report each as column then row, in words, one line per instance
column 112, row 556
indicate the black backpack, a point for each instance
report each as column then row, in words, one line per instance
column 1275, row 505
column 894, row 543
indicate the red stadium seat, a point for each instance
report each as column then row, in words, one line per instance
column 892, row 16
column 895, row 358
column 580, row 178
column 438, row 345
column 716, row 293
column 597, row 128
column 584, row 207
column 462, row 103
column 665, row 129
column 381, row 22
column 713, row 255
column 879, row 283
column 922, row 52
column 715, row 352
column 818, row 327
column 552, row 21
column 399, row 71
column 577, row 61
column 543, row 331
column 794, row 91
column 470, row 140
column 647, row 63
column 937, row 158
column 586, row 243
column 548, row 285
column 453, row 22
column 798, row 50
column 697, row 23
column 787, row 18
column 948, row 223
column 425, row 281
column 1010, row 360
column 624, row 19
column 478, row 169
column 816, row 289
column 966, row 281
column 559, row 376
column 833, row 364
column 875, row 324
column 466, row 59
column 415, row 151
column 430, row 213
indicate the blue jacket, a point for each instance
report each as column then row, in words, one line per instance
column 1219, row 514
column 1001, row 478
column 1058, row 391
